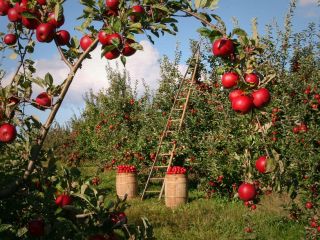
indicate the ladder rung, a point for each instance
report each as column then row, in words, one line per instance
column 153, row 191
column 156, row 178
column 165, row 154
column 177, row 109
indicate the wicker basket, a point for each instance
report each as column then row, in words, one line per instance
column 127, row 183
column 176, row 190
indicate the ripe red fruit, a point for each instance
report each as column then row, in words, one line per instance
column 63, row 200
column 85, row 42
column 303, row 127
column 43, row 99
column 4, row 7
column 252, row 79
column 309, row 205
column 138, row 12
column 235, row 93
column 318, row 229
column 10, row 39
column 229, row 79
column 296, row 130
column 313, row 224
column 42, row 2
column 253, row 207
column 242, row 104
column 261, row 164
column 54, row 22
column 62, row 37
column 112, row 4
column 31, row 23
column 127, row 49
column 261, row 97
column 222, row 47
column 45, row 32
column 8, row 133
column 248, row 230
column 14, row 15
column 114, row 38
column 36, row 227
column 247, row 191
column 112, row 54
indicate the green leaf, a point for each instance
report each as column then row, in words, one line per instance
column 240, row 32
column 48, row 79
column 106, row 49
column 123, row 60
column 58, row 12
column 28, row 15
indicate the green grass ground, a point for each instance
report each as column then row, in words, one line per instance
column 211, row 219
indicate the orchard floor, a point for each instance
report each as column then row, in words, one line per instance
column 212, row 219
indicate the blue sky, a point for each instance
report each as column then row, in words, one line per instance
column 145, row 64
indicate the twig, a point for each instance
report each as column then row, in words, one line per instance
column 202, row 20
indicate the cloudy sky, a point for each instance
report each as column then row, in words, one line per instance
column 145, row 64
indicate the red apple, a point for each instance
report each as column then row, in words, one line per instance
column 54, row 22
column 222, row 47
column 14, row 15
column 261, row 164
column 63, row 200
column 137, row 11
column 127, row 49
column 309, row 205
column 252, row 79
column 42, row 2
column 296, row 130
column 10, row 39
column 229, row 79
column 4, row 7
column 261, row 97
column 62, row 37
column 235, row 93
column 114, row 38
column 43, row 99
column 31, row 23
column 85, row 42
column 247, row 192
column 313, row 224
column 115, row 53
column 103, row 37
column 112, row 12
column 242, row 104
column 8, row 133
column 45, row 32
column 112, row 4
column 303, row 127
column 36, row 227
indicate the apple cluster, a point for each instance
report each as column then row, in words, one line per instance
column 300, row 128
column 241, row 100
column 35, row 16
column 126, row 169
column 113, row 43
column 176, row 170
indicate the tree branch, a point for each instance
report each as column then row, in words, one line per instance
column 13, row 187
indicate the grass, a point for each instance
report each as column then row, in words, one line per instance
column 216, row 218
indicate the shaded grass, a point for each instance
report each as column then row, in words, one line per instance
column 206, row 219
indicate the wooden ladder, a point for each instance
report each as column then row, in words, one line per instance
column 167, row 143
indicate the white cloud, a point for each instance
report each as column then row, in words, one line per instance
column 307, row 2
column 142, row 65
